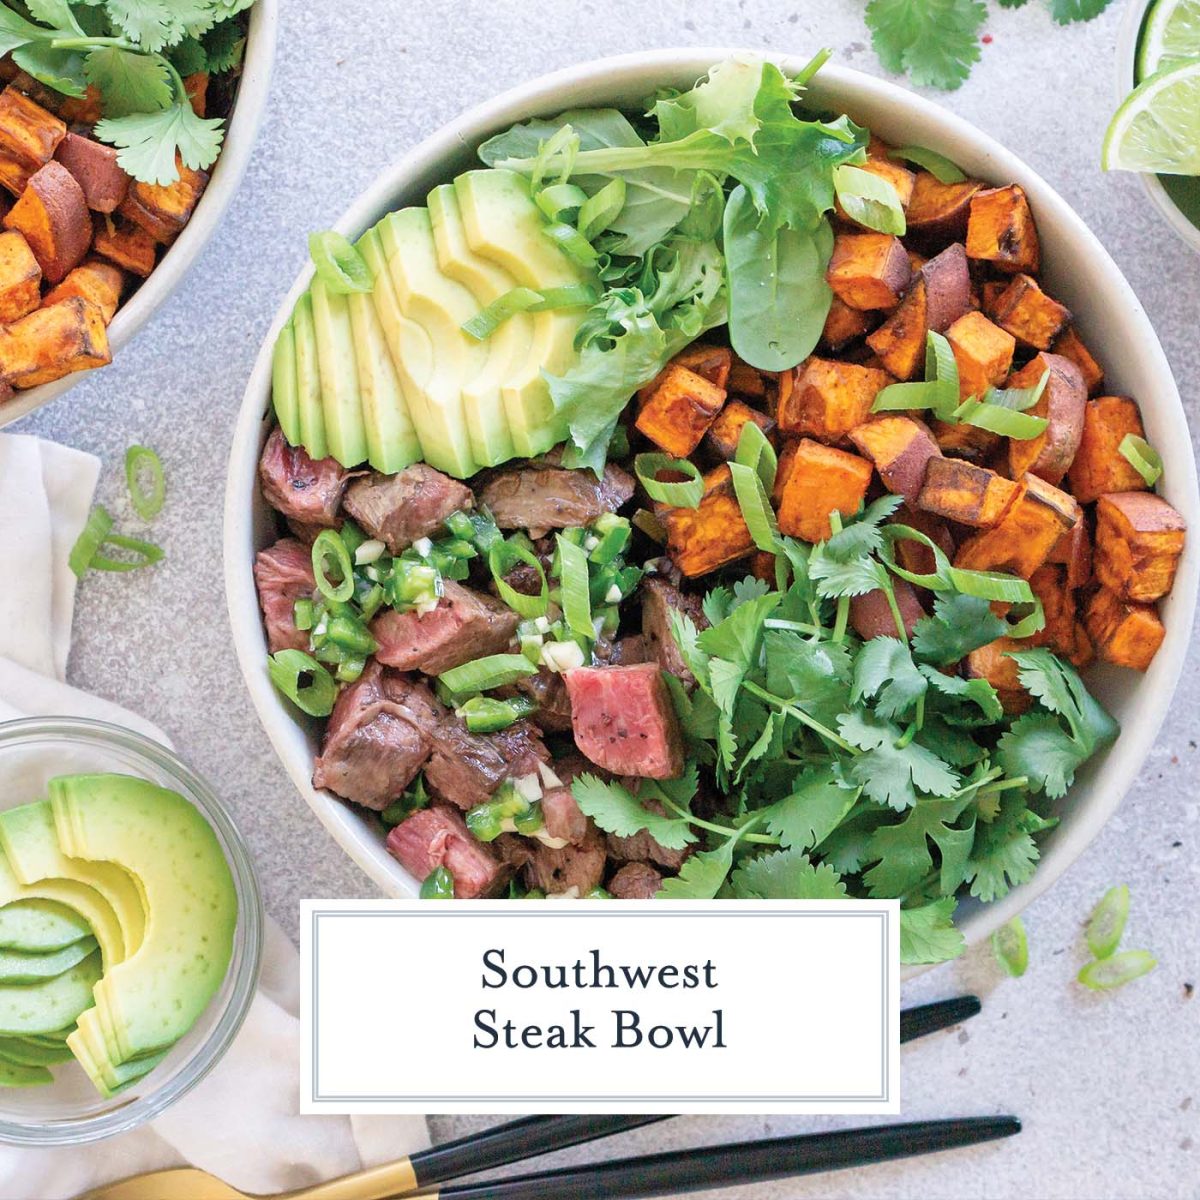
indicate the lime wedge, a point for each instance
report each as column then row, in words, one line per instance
column 1158, row 127
column 1171, row 35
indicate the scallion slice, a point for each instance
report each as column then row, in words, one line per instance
column 996, row 418
column 685, row 493
column 990, row 585
column 986, row 585
column 573, row 244
column 147, row 501
column 502, row 558
column 1142, row 457
column 340, row 267
column 483, row 674
column 438, row 885
column 601, row 210
column 146, row 554
column 485, row 714
column 755, row 451
column 328, row 546
column 1117, row 970
column 303, row 681
column 561, row 201
column 1033, row 622
column 869, row 199
column 756, row 508
column 938, row 165
column 1107, row 923
column 99, row 526
column 485, row 322
column 574, row 585
column 1011, row 947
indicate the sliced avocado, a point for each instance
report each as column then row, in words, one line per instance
column 51, row 1040
column 505, row 226
column 19, row 966
column 154, row 996
column 15, row 1075
column 51, row 1004
column 311, row 415
column 341, row 403
column 40, row 926
column 285, row 395
column 31, row 1054
column 108, row 1079
column 30, row 842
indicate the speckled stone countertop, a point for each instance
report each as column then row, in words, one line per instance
column 1109, row 1087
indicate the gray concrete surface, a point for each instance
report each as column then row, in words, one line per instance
column 1108, row 1087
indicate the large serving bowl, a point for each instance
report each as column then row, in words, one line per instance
column 227, row 172
column 1078, row 271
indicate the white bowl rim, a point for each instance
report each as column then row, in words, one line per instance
column 1123, row 761
column 240, row 135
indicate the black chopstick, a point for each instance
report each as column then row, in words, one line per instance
column 737, row 1163
column 928, row 1018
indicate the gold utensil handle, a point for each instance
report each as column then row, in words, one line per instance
column 375, row 1183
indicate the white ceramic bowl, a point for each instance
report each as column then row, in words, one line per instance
column 1078, row 271
column 240, row 134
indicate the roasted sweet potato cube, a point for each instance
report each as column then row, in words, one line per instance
column 970, row 495
column 702, row 539
column 1139, row 538
column 14, row 172
column 1099, row 466
column 710, row 362
column 29, row 134
column 94, row 280
column 82, row 110
column 787, row 461
column 1024, row 538
column 20, row 277
column 993, row 663
column 901, row 448
column 96, row 170
column 1001, row 230
column 844, row 324
column 869, row 270
column 826, row 398
column 762, row 566
column 53, row 216
column 745, row 380
column 679, row 411
column 889, row 170
column 1062, row 405
column 1083, row 653
column 937, row 213
column 916, row 556
column 723, row 433
column 1123, row 632
column 966, row 441
column 989, row 294
column 196, row 88
column 1074, row 551
column 125, row 244
column 819, row 481
column 52, row 342
column 162, row 210
column 1031, row 316
column 1049, row 584
column 1070, row 345
column 983, row 352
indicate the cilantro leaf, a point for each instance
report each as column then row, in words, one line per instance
column 736, row 637
column 815, row 807
column 224, row 46
column 61, row 70
column 817, row 675
column 951, row 745
column 861, row 536
column 846, row 849
column 1058, row 686
column 974, row 691
column 884, row 667
column 902, row 850
column 1005, row 853
column 928, row 935
column 836, row 579
column 55, row 13
column 616, row 810
column 1038, row 747
column 1066, row 11
column 129, row 82
column 787, row 875
column 687, row 636
column 701, row 877
column 889, row 773
column 716, row 604
column 147, row 22
column 935, row 41
column 959, row 625
column 148, row 142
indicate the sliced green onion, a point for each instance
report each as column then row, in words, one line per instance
column 940, row 363
column 1011, row 947
column 351, row 634
column 303, row 614
column 900, row 397
column 869, row 199
column 531, row 820
column 340, row 267
column 483, row 674
column 755, row 451
column 574, row 585
column 756, row 508
column 99, row 526
column 485, row 714
column 991, row 585
column 938, row 165
column 680, row 494
column 502, row 558
column 573, row 244
column 303, row 681
column 562, row 144
column 602, row 209
column 1142, row 457
column 1018, row 399
column 986, row 585
column 614, row 534
column 485, row 322
column 147, row 501
column 1027, row 626
column 1107, row 924
column 413, row 584
column 560, row 200
column 146, row 554
column 996, row 418
column 326, row 547
column 350, row 670
column 1117, row 970
column 438, row 885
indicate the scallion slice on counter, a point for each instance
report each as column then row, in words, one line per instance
column 143, row 464
column 502, row 558
column 340, row 267
column 99, row 526
column 938, row 165
column 1107, row 923
column 483, row 674
column 869, row 199
column 1103, row 974
column 328, row 548
column 685, row 493
column 756, row 508
column 438, row 885
column 601, row 210
column 1011, row 947
column 575, row 586
column 145, row 554
column 303, row 680
column 1142, row 457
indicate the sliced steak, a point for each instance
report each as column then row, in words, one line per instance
column 555, row 871
column 641, row 847
column 465, row 624
column 379, row 736
column 438, row 837
column 466, row 768
column 635, row 881
column 303, row 489
column 399, row 509
column 562, row 815
column 547, row 690
column 659, row 600
column 538, row 498
column 624, row 720
column 283, row 574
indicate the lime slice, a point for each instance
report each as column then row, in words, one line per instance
column 1158, row 127
column 1171, row 34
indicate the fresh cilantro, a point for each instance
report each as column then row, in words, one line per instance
column 902, row 851
column 889, row 771
column 861, row 536
column 976, row 692
column 884, row 671
column 935, row 41
column 1066, row 11
column 150, row 141
column 787, row 875
column 1005, row 854
column 928, row 935
column 617, row 811
column 959, row 625
column 816, row 806
column 815, row 674
column 736, row 638
column 129, row 82
column 701, row 876
column 855, row 577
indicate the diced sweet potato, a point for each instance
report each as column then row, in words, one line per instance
column 915, row 556
column 869, row 270
column 871, row 615
column 1074, row 551
column 937, row 213
column 1062, row 403
column 993, row 663
column 1024, row 538
column 762, row 566
column 1099, row 466
column 82, row 110
column 712, row 363
column 125, row 244
column 787, row 461
column 20, row 277
column 901, row 448
column 1123, row 632
column 989, row 296
column 1049, row 584
column 966, row 441
column 1031, row 316
column 53, row 216
column 844, row 324
column 724, row 432
column 745, row 380
column 93, row 280
column 702, row 539
column 1139, row 538
column 889, row 170
column 677, row 414
column 1001, row 230
column 1070, row 345
column 970, row 495
column 983, row 352
column 96, row 170
column 1083, row 653
column 939, row 296
column 196, row 88
column 52, row 342
column 821, row 480
column 825, row 398
column 29, row 135
column 162, row 210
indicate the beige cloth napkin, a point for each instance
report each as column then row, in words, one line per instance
column 242, row 1123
